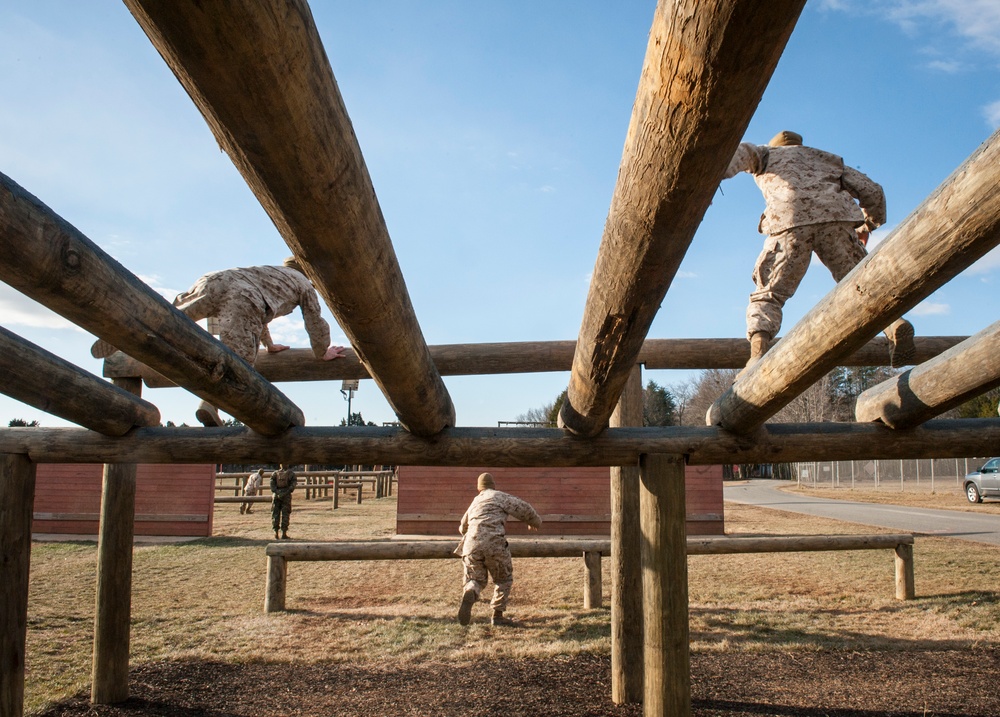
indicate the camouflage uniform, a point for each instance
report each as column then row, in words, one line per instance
column 484, row 548
column 283, row 482
column 245, row 300
column 251, row 487
column 811, row 207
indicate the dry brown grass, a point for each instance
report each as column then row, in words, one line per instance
column 946, row 497
column 205, row 599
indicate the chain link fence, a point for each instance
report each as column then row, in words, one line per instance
column 930, row 475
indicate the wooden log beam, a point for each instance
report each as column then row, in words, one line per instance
column 511, row 447
column 929, row 389
column 667, row 653
column 17, row 493
column 280, row 117
column 32, row 375
column 626, row 563
column 47, row 259
column 707, row 64
column 527, row 357
column 955, row 226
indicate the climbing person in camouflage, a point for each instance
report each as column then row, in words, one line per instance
column 283, row 482
column 484, row 548
column 815, row 203
column 251, row 487
column 244, row 301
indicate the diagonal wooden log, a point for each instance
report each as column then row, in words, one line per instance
column 509, row 447
column 706, row 67
column 278, row 113
column 955, row 226
column 526, row 357
column 929, row 389
column 32, row 375
column 49, row 260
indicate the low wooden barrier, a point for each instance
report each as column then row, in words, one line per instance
column 315, row 484
column 279, row 554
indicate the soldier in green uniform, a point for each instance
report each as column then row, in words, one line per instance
column 283, row 482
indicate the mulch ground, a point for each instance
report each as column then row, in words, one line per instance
column 955, row 683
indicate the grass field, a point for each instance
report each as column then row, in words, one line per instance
column 204, row 599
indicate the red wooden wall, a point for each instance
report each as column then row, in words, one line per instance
column 571, row 501
column 169, row 499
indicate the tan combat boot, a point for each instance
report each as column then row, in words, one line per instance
column 498, row 620
column 760, row 342
column 465, row 609
column 207, row 415
column 904, row 351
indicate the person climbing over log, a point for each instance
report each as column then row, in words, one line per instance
column 244, row 301
column 484, row 548
column 814, row 203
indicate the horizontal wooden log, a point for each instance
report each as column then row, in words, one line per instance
column 527, row 357
column 772, row 443
column 32, row 375
column 958, row 224
column 282, row 120
column 706, row 66
column 47, row 259
column 929, row 389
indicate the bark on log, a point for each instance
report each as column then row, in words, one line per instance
column 279, row 115
column 44, row 257
column 527, row 357
column 707, row 64
column 512, row 447
column 32, row 375
column 955, row 226
column 592, row 587
column 17, row 494
column 667, row 655
column 929, row 389
column 626, row 563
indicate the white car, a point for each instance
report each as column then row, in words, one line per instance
column 984, row 483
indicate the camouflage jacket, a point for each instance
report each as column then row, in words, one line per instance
column 804, row 185
column 483, row 525
column 283, row 482
column 265, row 291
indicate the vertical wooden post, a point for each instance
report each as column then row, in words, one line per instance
column 664, row 587
column 17, row 498
column 905, row 588
column 274, row 596
column 336, row 491
column 113, row 614
column 592, row 587
column 361, row 487
column 626, row 565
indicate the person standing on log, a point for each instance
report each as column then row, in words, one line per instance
column 251, row 488
column 815, row 203
column 283, row 482
column 245, row 301
column 484, row 548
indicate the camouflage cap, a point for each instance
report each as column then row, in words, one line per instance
column 485, row 481
column 785, row 138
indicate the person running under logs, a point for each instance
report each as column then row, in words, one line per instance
column 815, row 203
column 245, row 301
column 484, row 548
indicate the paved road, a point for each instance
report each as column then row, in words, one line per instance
column 978, row 527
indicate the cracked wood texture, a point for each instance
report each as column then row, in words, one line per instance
column 707, row 64
column 259, row 75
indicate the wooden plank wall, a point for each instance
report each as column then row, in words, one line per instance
column 571, row 501
column 172, row 500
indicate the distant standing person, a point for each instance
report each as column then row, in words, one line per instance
column 283, row 482
column 484, row 548
column 815, row 203
column 250, row 488
column 245, row 301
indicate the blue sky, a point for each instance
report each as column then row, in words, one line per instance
column 493, row 133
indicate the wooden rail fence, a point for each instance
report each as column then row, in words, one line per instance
column 279, row 555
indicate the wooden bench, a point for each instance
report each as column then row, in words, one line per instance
column 279, row 554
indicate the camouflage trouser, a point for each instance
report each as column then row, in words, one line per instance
column 239, row 309
column 281, row 512
column 783, row 263
column 478, row 568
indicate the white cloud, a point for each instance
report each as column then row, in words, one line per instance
column 18, row 310
column 976, row 20
column 992, row 113
column 948, row 67
column 931, row 308
column 289, row 330
column 988, row 264
column 686, row 275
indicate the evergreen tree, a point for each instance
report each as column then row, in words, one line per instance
column 658, row 406
column 21, row 423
